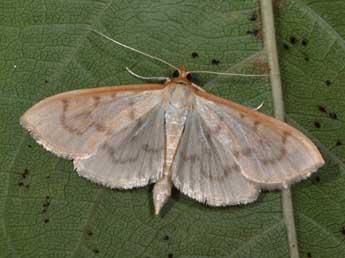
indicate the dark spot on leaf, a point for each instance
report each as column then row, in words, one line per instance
column 254, row 32
column 333, row 115
column 215, row 61
column 304, row 42
column 46, row 204
column 195, row 55
column 317, row 179
column 175, row 74
column 286, row 46
column 322, row 109
column 20, row 183
column 29, row 145
column 317, row 124
column 343, row 230
column 89, row 232
column 338, row 143
column 166, row 237
column 293, row 40
column 46, row 81
column 309, row 255
column 253, row 17
column 46, row 220
column 170, row 255
column 306, row 58
column 24, row 173
column 328, row 82
column 95, row 250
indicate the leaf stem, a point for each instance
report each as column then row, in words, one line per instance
column 278, row 103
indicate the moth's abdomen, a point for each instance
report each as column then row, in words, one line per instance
column 175, row 118
column 174, row 124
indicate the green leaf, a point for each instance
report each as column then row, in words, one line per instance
column 46, row 210
column 312, row 51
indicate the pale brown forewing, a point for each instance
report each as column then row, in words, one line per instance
column 73, row 124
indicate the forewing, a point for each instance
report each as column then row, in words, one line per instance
column 269, row 152
column 204, row 171
column 73, row 124
column 131, row 157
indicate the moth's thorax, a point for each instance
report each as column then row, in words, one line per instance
column 180, row 96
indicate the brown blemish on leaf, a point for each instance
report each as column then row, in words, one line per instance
column 322, row 109
column 259, row 65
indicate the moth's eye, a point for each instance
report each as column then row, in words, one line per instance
column 175, row 74
column 189, row 77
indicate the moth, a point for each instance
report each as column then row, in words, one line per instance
column 173, row 133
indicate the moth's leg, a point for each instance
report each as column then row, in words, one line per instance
column 260, row 106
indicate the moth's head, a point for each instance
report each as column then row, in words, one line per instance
column 181, row 75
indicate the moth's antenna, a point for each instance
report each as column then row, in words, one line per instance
column 135, row 50
column 147, row 78
column 231, row 74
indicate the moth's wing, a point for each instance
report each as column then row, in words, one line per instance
column 269, row 152
column 73, row 124
column 131, row 157
column 204, row 171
